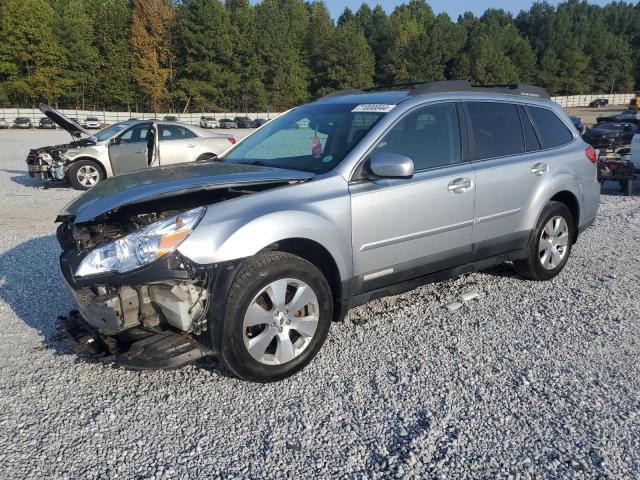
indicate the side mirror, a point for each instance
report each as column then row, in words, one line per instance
column 114, row 141
column 391, row 165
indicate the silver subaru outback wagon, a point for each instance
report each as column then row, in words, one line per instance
column 356, row 196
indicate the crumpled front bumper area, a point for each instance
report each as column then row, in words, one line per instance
column 44, row 166
column 138, row 349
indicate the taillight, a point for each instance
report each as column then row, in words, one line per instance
column 590, row 153
column 232, row 141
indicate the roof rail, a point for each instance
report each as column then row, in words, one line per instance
column 446, row 86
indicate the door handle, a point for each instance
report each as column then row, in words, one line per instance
column 460, row 185
column 192, row 145
column 139, row 151
column 539, row 169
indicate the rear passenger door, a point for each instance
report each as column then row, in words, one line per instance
column 511, row 172
column 407, row 228
column 177, row 144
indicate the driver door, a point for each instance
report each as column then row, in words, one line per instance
column 408, row 228
column 130, row 151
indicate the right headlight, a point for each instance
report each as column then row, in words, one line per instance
column 142, row 246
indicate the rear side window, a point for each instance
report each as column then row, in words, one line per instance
column 553, row 132
column 430, row 136
column 495, row 129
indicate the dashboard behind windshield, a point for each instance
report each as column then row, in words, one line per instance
column 313, row 138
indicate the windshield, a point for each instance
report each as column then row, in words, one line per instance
column 109, row 132
column 314, row 138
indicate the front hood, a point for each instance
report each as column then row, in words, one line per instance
column 160, row 182
column 65, row 123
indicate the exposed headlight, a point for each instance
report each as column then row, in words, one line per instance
column 142, row 246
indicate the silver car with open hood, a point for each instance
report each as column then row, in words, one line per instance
column 353, row 197
column 120, row 148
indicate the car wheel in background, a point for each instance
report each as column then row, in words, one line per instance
column 206, row 157
column 277, row 317
column 550, row 244
column 85, row 174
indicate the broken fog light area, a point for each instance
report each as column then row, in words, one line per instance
column 142, row 246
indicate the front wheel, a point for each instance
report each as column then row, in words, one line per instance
column 550, row 244
column 278, row 315
column 85, row 174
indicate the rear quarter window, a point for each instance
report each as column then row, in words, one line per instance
column 552, row 131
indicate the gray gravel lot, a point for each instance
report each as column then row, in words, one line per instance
column 528, row 379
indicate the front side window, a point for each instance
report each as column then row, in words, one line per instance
column 175, row 132
column 313, row 138
column 430, row 136
column 495, row 129
column 137, row 134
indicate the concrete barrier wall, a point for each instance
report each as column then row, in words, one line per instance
column 10, row 114
column 584, row 100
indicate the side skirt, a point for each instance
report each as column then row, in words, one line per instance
column 405, row 286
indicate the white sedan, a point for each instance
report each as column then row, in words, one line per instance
column 121, row 148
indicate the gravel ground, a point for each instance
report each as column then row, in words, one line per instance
column 528, row 379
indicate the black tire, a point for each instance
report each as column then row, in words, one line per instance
column 74, row 177
column 627, row 187
column 254, row 276
column 532, row 267
column 205, row 157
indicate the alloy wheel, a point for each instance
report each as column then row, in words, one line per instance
column 554, row 243
column 88, row 175
column 281, row 321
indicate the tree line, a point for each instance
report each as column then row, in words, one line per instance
column 210, row 55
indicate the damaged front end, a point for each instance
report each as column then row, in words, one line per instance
column 138, row 297
column 50, row 163
column 132, row 286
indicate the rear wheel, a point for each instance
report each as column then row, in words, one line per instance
column 277, row 317
column 550, row 245
column 85, row 174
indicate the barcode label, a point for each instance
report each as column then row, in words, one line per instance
column 373, row 108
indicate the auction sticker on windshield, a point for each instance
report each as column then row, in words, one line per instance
column 373, row 108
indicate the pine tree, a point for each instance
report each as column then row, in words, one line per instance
column 31, row 60
column 204, row 53
column 321, row 45
column 282, row 27
column 111, row 21
column 354, row 61
column 249, row 92
column 74, row 30
column 150, row 44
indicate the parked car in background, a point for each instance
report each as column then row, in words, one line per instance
column 134, row 119
column 46, row 122
column 258, row 122
column 3, row 123
column 170, row 118
column 121, row 148
column 599, row 102
column 92, row 123
column 577, row 122
column 634, row 152
column 22, row 122
column 227, row 123
column 208, row 122
column 243, row 122
column 610, row 134
column 253, row 257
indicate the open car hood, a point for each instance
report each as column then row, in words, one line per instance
column 161, row 182
column 63, row 122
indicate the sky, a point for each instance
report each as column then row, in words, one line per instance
column 452, row 7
